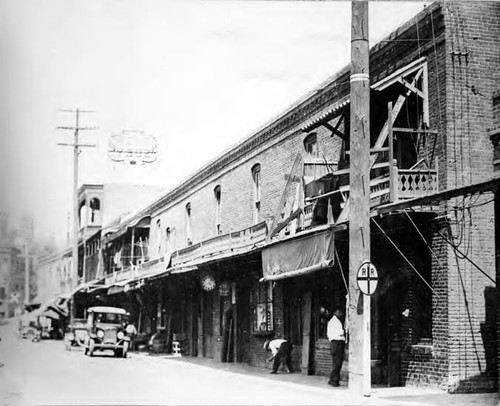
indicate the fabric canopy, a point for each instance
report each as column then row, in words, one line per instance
column 298, row 257
column 50, row 314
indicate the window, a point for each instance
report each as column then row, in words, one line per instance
column 159, row 235
column 95, row 207
column 422, row 306
column 188, row 224
column 256, row 192
column 168, row 236
column 311, row 144
column 218, row 213
column 261, row 302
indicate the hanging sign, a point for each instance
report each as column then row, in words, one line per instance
column 367, row 278
column 224, row 289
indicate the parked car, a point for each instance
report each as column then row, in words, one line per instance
column 106, row 331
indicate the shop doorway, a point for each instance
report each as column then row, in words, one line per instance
column 244, row 325
column 228, row 336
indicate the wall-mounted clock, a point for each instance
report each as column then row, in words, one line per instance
column 208, row 282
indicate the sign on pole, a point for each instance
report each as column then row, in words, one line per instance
column 367, row 278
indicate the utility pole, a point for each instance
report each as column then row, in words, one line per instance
column 359, row 219
column 26, row 257
column 76, row 151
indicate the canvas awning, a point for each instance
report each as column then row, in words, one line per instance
column 298, row 256
column 51, row 314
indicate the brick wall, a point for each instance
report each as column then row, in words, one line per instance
column 236, row 184
column 473, row 58
column 424, row 362
column 472, row 295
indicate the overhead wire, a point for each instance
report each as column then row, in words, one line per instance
column 423, row 238
column 404, row 256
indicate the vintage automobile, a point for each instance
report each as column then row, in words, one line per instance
column 106, row 331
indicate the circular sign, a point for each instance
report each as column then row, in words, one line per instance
column 132, row 147
column 208, row 282
column 367, row 278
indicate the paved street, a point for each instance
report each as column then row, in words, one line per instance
column 44, row 373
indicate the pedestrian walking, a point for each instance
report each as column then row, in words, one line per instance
column 336, row 335
column 132, row 333
column 281, row 350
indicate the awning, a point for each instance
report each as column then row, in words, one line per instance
column 51, row 314
column 57, row 305
column 118, row 287
column 298, row 256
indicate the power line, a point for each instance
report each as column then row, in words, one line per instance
column 404, row 256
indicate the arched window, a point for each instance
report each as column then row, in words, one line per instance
column 256, row 192
column 218, row 212
column 188, row 224
column 95, row 211
column 159, row 235
column 311, row 144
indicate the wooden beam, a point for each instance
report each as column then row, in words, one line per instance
column 413, row 130
column 335, row 130
column 294, row 178
column 333, row 192
column 281, row 225
column 411, row 87
column 392, row 178
column 373, row 150
column 298, row 166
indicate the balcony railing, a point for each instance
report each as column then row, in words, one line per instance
column 234, row 242
column 416, row 183
column 410, row 183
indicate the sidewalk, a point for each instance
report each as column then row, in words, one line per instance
column 379, row 395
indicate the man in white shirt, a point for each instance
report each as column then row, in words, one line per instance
column 280, row 349
column 336, row 335
column 132, row 333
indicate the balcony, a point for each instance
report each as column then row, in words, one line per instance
column 409, row 184
column 412, row 183
column 231, row 243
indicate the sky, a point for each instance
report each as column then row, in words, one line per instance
column 199, row 76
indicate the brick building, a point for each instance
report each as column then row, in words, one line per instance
column 255, row 244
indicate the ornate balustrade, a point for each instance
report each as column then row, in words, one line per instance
column 409, row 184
column 308, row 215
column 413, row 183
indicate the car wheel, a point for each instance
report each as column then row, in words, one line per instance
column 91, row 348
column 125, row 349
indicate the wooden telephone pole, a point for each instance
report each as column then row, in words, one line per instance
column 359, row 219
column 76, row 151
